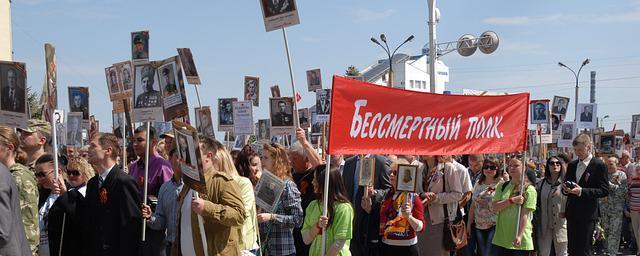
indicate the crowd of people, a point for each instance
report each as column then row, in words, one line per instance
column 509, row 205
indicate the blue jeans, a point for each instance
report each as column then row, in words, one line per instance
column 483, row 241
column 471, row 242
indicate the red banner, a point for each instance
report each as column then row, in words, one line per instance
column 373, row 119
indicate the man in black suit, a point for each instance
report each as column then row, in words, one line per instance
column 14, row 99
column 323, row 103
column 114, row 219
column 282, row 118
column 587, row 114
column 582, row 212
column 367, row 221
column 560, row 106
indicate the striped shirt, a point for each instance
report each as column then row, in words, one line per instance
column 166, row 215
column 634, row 194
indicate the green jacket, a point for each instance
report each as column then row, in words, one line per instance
column 28, row 187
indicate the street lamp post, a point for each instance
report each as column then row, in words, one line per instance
column 577, row 75
column 390, row 54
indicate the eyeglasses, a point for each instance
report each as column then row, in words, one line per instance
column 490, row 167
column 73, row 172
column 42, row 174
column 555, row 163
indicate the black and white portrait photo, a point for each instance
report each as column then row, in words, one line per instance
column 263, row 129
column 277, row 7
column 140, row 45
column 13, row 88
column 275, row 91
column 281, row 112
column 168, row 80
column 555, row 121
column 406, row 177
column 560, row 105
column 252, row 90
column 203, row 121
column 607, row 144
column 74, row 129
column 146, row 90
column 112, row 81
column 268, row 191
column 188, row 65
column 367, row 169
column 323, row 101
column 79, row 101
column 183, row 149
column 126, row 76
column 539, row 112
column 314, row 80
column 303, row 117
column 225, row 112
column 635, row 127
column 587, row 113
column 279, row 13
column 119, row 125
column 567, row 131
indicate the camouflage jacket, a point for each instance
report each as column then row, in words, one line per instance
column 28, row 187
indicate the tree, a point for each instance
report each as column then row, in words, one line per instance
column 35, row 108
column 352, row 71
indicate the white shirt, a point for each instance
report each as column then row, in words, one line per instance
column 582, row 167
column 106, row 173
column 43, row 247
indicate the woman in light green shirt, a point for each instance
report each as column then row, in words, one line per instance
column 339, row 222
column 506, row 201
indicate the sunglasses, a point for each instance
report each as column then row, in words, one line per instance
column 490, row 167
column 555, row 163
column 73, row 172
column 42, row 174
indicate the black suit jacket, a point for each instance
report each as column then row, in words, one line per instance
column 66, row 208
column 113, row 225
column 366, row 225
column 594, row 183
column 18, row 98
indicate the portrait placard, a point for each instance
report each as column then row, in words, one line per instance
column 243, row 118
column 119, row 122
column 316, row 126
column 204, row 122
column 304, row 118
column 587, row 113
column 539, row 112
column 635, row 127
column 74, row 129
column 567, row 133
column 240, row 141
column 556, row 120
column 268, row 191
column 113, row 82
column 560, row 105
column 187, row 144
column 252, row 89
column 367, row 171
column 13, row 94
column 52, row 74
column 264, row 132
column 174, row 96
column 147, row 105
column 229, row 137
column 225, row 114
column 323, row 104
column 406, row 178
column 188, row 65
column 314, row 80
column 140, row 46
column 124, row 71
column 58, row 119
column 607, row 144
column 281, row 110
column 79, row 101
column 279, row 14
column 275, row 91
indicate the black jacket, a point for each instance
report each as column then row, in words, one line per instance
column 594, row 183
column 113, row 222
column 66, row 209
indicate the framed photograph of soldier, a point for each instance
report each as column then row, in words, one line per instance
column 539, row 112
column 264, row 132
column 635, row 127
column 13, row 94
column 252, row 89
column 567, row 133
column 58, row 118
column 243, row 118
column 74, row 129
column 113, row 83
column 204, row 123
column 126, row 76
column 587, row 115
column 367, row 171
column 268, row 191
column 140, row 46
column 607, row 144
column 225, row 114
column 316, row 126
column 275, row 91
column 560, row 105
column 229, row 137
column 187, row 145
column 323, row 104
column 556, row 119
column 314, row 80
column 406, row 178
column 281, row 112
column 240, row 141
column 188, row 65
column 147, row 97
column 119, row 122
column 172, row 86
column 52, row 74
column 304, row 118
column 279, row 14
column 79, row 102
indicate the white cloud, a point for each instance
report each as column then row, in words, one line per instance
column 366, row 15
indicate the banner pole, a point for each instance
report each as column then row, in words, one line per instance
column 325, row 202
column 198, row 95
column 55, row 144
column 522, row 177
column 324, row 141
column 146, row 178
column 296, row 121
column 203, row 237
column 64, row 220
column 123, row 131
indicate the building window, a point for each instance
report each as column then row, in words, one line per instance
column 411, row 84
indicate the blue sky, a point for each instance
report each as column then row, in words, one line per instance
column 228, row 41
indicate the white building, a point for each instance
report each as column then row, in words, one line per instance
column 409, row 72
column 5, row 31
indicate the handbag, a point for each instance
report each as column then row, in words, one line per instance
column 454, row 234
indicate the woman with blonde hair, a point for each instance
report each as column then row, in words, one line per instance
column 10, row 151
column 277, row 227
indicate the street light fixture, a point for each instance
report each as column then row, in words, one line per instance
column 577, row 75
column 390, row 54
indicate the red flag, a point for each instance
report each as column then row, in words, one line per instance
column 298, row 97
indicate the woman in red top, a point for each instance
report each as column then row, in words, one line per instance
column 401, row 217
